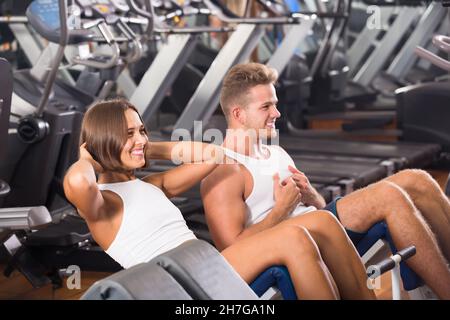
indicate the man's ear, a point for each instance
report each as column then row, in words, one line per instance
column 238, row 114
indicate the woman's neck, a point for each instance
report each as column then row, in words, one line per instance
column 113, row 177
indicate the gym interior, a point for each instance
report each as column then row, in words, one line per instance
column 363, row 93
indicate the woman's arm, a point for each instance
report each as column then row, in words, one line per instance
column 199, row 159
column 80, row 186
column 159, row 150
column 179, row 151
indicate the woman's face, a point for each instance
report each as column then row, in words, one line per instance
column 133, row 152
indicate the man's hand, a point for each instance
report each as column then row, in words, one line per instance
column 287, row 196
column 309, row 195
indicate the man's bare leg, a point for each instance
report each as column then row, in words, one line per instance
column 338, row 253
column 290, row 246
column 385, row 201
column 431, row 201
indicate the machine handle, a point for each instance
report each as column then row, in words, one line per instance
column 434, row 59
column 109, row 37
column 157, row 26
column 390, row 263
column 442, row 42
column 4, row 188
column 137, row 51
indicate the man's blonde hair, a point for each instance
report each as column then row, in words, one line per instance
column 239, row 80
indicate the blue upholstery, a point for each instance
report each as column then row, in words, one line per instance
column 278, row 276
column 380, row 231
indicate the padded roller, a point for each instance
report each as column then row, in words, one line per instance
column 204, row 272
column 146, row 281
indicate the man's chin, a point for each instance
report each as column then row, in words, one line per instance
column 268, row 133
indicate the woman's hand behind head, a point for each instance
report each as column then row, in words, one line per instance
column 85, row 155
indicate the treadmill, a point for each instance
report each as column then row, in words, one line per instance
column 404, row 154
column 205, row 99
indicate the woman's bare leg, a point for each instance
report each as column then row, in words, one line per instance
column 338, row 253
column 291, row 246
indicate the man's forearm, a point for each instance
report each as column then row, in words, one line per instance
column 316, row 200
column 275, row 216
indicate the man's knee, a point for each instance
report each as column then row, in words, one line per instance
column 414, row 180
column 370, row 205
column 392, row 199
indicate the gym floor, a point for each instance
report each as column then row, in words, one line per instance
column 17, row 287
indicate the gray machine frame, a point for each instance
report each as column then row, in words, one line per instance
column 237, row 49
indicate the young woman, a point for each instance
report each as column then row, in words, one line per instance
column 133, row 219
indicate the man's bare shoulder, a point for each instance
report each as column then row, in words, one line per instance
column 224, row 175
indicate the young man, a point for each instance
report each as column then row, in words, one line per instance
column 248, row 197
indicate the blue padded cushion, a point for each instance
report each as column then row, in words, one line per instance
column 410, row 279
column 277, row 276
column 380, row 231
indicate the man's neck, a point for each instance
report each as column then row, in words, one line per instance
column 244, row 142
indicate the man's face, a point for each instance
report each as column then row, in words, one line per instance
column 261, row 113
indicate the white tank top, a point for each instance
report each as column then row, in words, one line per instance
column 151, row 223
column 261, row 199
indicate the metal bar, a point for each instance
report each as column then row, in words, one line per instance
column 126, row 83
column 162, row 73
column 206, row 98
column 295, row 36
column 365, row 40
column 373, row 65
column 428, row 23
column 28, row 41
column 13, row 19
column 443, row 29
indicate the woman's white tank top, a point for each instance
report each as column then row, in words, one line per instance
column 151, row 223
column 261, row 199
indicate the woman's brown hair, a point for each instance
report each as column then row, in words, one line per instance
column 104, row 130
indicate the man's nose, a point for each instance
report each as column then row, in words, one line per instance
column 275, row 113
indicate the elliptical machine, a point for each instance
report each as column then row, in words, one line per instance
column 52, row 132
column 46, row 120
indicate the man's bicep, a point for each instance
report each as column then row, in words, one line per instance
column 225, row 209
column 226, row 221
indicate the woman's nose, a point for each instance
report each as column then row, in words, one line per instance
column 140, row 140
